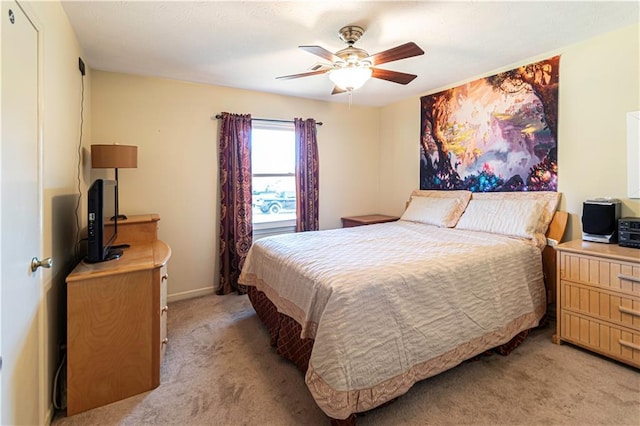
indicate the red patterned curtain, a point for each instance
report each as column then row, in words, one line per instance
column 306, row 175
column 236, row 227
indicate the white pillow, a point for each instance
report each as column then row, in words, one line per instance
column 549, row 199
column 517, row 218
column 443, row 212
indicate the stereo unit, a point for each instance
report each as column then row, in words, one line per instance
column 600, row 220
column 629, row 232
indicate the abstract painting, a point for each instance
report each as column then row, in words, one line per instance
column 496, row 133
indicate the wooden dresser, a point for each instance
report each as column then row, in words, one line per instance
column 370, row 219
column 117, row 319
column 598, row 297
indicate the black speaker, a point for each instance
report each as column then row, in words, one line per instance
column 600, row 220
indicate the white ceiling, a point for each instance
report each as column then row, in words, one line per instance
column 248, row 44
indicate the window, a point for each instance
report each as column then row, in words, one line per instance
column 273, row 166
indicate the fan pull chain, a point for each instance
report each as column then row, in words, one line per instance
column 350, row 92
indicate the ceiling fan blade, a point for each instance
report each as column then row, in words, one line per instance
column 304, row 74
column 394, row 76
column 337, row 90
column 322, row 52
column 407, row 50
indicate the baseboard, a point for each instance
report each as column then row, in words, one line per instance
column 189, row 294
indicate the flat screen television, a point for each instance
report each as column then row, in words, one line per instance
column 101, row 203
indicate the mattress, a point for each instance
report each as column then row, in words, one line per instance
column 387, row 305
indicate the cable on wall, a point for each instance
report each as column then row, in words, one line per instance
column 79, row 165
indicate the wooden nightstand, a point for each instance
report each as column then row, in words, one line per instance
column 598, row 299
column 369, row 219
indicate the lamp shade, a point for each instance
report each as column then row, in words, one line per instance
column 114, row 156
column 351, row 77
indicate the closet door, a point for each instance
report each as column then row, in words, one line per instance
column 20, row 220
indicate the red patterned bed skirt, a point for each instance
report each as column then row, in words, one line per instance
column 285, row 337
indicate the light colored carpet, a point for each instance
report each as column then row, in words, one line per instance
column 220, row 370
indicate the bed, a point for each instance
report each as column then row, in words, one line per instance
column 366, row 312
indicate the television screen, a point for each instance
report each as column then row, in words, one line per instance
column 101, row 211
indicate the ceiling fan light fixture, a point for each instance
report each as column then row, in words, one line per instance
column 350, row 78
column 350, row 68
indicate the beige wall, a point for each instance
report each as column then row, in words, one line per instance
column 369, row 157
column 599, row 84
column 61, row 106
column 177, row 175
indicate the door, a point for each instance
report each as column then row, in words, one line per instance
column 20, row 220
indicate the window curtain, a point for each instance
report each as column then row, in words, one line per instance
column 306, row 175
column 236, row 227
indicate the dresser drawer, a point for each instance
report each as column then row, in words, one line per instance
column 164, row 310
column 607, row 339
column 623, row 277
column 618, row 308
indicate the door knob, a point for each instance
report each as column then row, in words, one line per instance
column 45, row 263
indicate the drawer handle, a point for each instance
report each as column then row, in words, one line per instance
column 629, row 344
column 165, row 341
column 629, row 311
column 629, row 278
column 166, row 308
column 165, row 277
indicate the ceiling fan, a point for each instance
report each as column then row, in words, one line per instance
column 351, row 67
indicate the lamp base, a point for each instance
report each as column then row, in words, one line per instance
column 119, row 217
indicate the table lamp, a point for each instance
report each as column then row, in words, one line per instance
column 114, row 157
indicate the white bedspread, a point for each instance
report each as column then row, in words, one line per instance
column 385, row 302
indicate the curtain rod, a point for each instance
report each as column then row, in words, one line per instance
column 270, row 120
